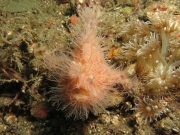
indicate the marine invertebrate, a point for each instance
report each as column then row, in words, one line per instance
column 84, row 78
column 155, row 53
column 73, row 19
column 148, row 109
column 156, row 56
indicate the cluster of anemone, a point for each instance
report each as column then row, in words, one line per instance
column 148, row 109
column 155, row 51
column 160, row 73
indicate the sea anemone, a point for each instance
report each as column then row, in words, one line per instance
column 148, row 109
column 156, row 62
column 165, row 24
column 84, row 78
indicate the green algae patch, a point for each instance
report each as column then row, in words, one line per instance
column 15, row 6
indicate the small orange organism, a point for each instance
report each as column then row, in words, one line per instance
column 177, row 35
column 113, row 52
column 135, row 3
column 49, row 23
column 73, row 19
